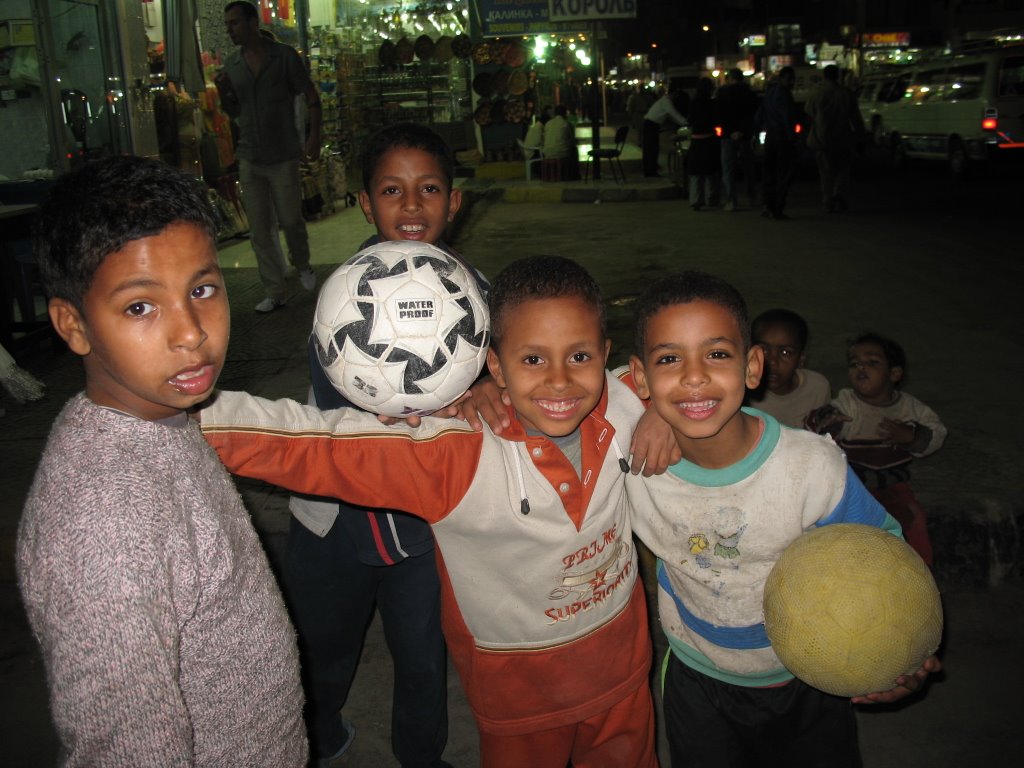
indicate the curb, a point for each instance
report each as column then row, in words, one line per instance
column 548, row 194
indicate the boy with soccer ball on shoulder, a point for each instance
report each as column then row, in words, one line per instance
column 165, row 638
column 344, row 560
column 543, row 611
column 718, row 520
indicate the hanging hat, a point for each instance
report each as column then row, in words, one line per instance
column 482, row 53
column 499, row 84
column 515, row 110
column 404, row 51
column 518, row 83
column 462, row 46
column 514, row 55
column 443, row 49
column 424, row 48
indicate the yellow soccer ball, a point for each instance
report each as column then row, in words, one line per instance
column 849, row 608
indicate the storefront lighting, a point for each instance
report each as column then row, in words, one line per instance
column 539, row 47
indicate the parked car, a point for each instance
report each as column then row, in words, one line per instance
column 963, row 108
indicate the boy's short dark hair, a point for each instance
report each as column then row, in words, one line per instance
column 894, row 354
column 96, row 210
column 248, row 9
column 541, row 277
column 686, row 288
column 408, row 136
column 788, row 319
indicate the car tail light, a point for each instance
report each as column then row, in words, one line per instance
column 718, row 131
column 990, row 120
column 798, row 128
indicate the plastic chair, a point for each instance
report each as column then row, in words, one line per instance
column 612, row 155
column 531, row 155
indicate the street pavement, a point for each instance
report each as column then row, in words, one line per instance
column 932, row 262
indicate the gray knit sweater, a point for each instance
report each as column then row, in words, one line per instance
column 165, row 638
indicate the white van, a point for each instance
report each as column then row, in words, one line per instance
column 963, row 107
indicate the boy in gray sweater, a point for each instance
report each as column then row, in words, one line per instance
column 164, row 635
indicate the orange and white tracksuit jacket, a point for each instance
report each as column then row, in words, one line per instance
column 541, row 602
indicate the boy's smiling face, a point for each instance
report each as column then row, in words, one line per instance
column 551, row 359
column 153, row 331
column 696, row 371
column 409, row 198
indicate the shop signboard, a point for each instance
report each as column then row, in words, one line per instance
column 510, row 18
column 592, row 10
column 885, row 40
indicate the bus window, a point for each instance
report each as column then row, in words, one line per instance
column 926, row 86
column 964, row 82
column 1011, row 76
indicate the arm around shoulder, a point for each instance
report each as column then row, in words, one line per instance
column 344, row 453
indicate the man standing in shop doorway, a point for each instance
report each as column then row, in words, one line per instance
column 257, row 88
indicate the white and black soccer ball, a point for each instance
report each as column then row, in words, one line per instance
column 401, row 328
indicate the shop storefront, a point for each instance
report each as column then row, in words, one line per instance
column 74, row 84
column 81, row 79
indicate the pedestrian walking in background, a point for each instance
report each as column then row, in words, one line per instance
column 639, row 101
column 257, row 88
column 777, row 117
column 735, row 107
column 836, row 129
column 702, row 161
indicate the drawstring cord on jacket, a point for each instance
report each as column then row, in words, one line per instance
column 524, row 502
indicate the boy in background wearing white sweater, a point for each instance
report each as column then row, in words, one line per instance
column 882, row 429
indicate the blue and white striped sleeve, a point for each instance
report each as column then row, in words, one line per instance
column 857, row 505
